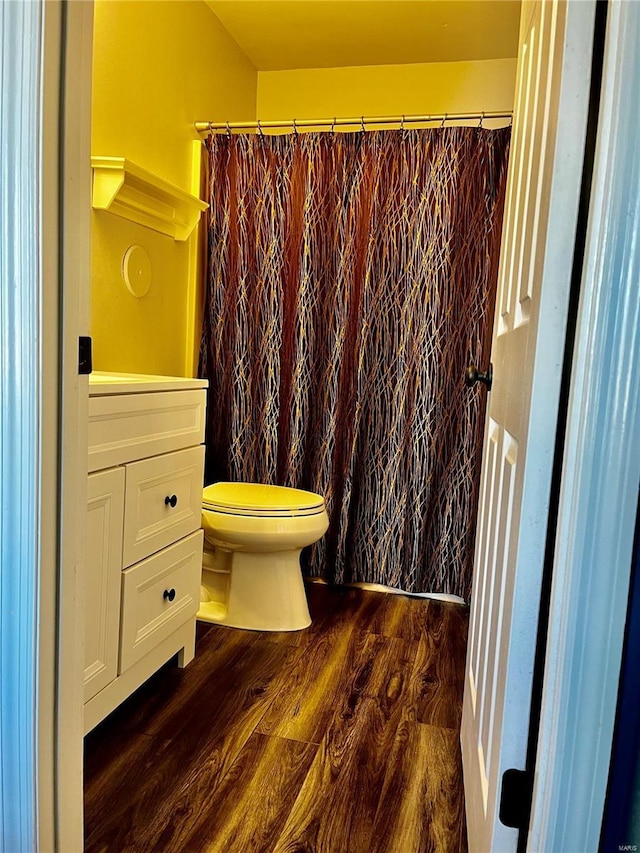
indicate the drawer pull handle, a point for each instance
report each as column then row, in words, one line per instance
column 171, row 501
column 169, row 593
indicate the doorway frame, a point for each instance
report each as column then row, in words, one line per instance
column 28, row 479
column 76, row 54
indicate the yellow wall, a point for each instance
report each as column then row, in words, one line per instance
column 436, row 87
column 157, row 68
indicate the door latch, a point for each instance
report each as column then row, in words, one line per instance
column 515, row 798
column 85, row 355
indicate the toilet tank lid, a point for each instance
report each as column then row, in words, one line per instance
column 259, row 496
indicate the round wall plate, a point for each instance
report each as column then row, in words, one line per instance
column 136, row 271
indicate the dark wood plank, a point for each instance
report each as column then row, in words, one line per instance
column 312, row 685
column 400, row 616
column 421, row 808
column 309, row 690
column 356, row 664
column 338, row 801
column 219, row 656
column 160, row 793
column 339, row 607
column 111, row 768
column 337, row 804
column 446, row 628
column 251, row 804
column 163, row 695
column 438, row 672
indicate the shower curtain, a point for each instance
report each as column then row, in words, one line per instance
column 351, row 281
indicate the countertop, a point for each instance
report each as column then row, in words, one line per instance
column 103, row 384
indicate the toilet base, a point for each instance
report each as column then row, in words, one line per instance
column 265, row 591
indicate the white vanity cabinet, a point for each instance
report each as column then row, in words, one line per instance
column 144, row 543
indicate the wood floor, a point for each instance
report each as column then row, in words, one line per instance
column 342, row 738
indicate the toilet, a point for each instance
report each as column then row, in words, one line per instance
column 253, row 536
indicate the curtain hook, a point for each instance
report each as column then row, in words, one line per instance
column 362, row 127
column 444, row 118
column 228, row 130
column 402, row 123
column 481, row 121
column 260, row 130
column 333, row 126
column 295, row 127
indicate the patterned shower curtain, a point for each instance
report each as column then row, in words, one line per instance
column 351, row 281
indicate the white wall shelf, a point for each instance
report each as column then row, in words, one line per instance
column 128, row 190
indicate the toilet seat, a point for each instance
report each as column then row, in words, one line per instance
column 261, row 501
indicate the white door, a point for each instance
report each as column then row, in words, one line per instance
column 552, row 90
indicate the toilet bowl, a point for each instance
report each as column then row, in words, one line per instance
column 253, row 536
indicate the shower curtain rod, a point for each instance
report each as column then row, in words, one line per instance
column 360, row 121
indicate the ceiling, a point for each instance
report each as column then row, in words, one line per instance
column 285, row 34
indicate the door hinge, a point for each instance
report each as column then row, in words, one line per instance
column 85, row 359
column 515, row 798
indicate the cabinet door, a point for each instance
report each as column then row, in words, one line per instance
column 102, row 579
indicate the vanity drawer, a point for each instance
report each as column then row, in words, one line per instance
column 163, row 497
column 158, row 595
column 124, row 427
